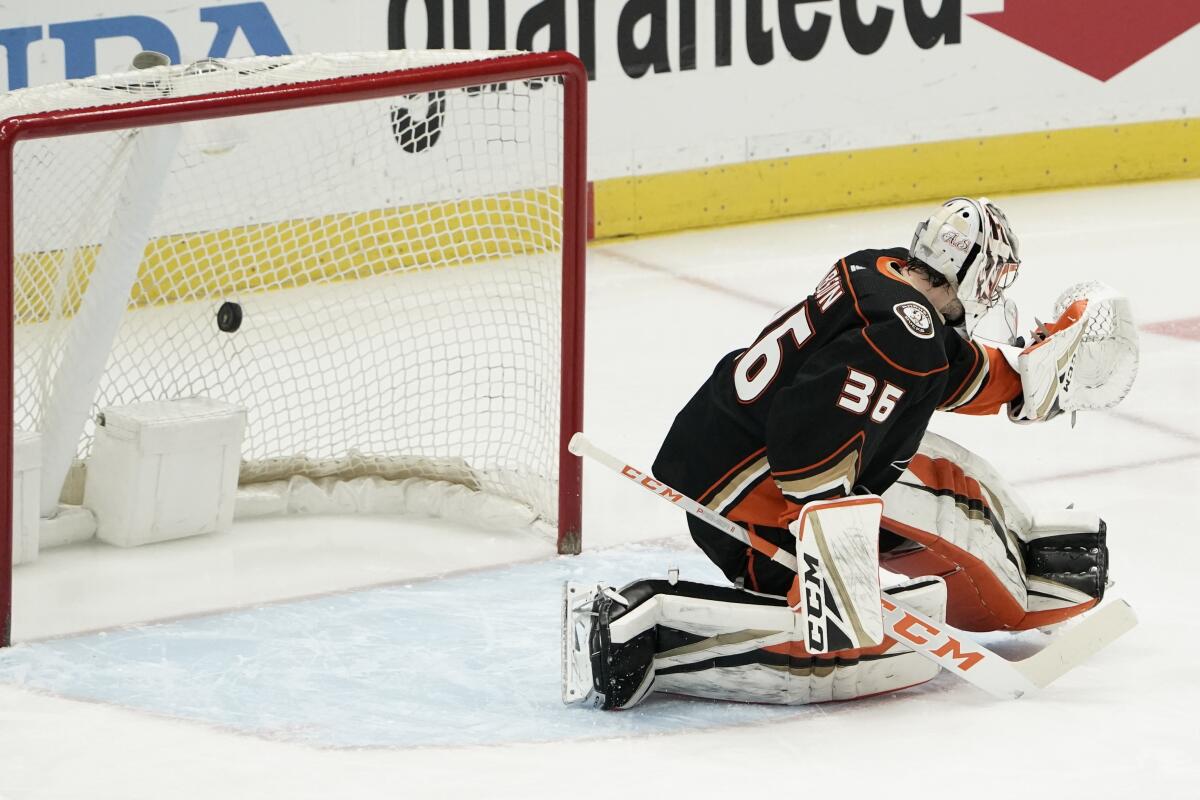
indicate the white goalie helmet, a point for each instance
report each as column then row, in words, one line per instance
column 970, row 242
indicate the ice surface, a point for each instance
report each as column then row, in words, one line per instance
column 465, row 660
column 300, row 699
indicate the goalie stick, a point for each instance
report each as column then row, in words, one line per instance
column 946, row 645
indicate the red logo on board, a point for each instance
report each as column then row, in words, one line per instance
column 1099, row 37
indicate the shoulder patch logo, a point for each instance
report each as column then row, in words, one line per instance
column 916, row 318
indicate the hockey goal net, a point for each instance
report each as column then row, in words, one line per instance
column 379, row 256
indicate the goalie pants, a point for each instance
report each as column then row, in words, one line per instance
column 726, row 644
column 950, row 514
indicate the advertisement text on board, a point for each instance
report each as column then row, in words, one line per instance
column 544, row 25
column 80, row 38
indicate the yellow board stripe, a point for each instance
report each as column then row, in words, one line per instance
column 896, row 175
column 349, row 246
column 293, row 253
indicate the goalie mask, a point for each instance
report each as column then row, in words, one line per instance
column 971, row 243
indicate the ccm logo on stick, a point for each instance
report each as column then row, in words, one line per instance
column 916, row 631
column 655, row 486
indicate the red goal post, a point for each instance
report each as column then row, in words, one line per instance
column 162, row 111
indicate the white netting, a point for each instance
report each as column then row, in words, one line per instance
column 396, row 263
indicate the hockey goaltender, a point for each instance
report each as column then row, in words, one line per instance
column 813, row 439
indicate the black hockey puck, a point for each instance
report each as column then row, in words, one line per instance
column 229, row 317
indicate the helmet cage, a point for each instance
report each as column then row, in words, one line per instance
column 992, row 265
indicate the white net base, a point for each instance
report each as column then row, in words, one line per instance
column 373, row 495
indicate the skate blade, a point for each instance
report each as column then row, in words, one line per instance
column 578, row 687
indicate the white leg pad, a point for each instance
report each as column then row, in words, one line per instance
column 788, row 674
column 736, row 651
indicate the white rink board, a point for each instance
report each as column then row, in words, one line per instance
column 984, row 84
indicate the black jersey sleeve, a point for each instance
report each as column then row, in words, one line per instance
column 852, row 412
column 980, row 379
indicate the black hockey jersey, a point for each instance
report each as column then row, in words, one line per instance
column 833, row 397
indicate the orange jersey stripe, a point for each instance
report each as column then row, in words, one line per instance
column 889, row 268
column 1003, row 384
column 860, row 437
column 720, row 483
column 765, row 505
